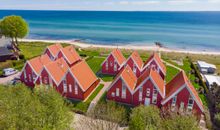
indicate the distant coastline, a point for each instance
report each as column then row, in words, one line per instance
column 131, row 47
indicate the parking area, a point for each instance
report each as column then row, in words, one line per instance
column 5, row 80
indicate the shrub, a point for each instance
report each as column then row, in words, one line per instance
column 145, row 117
column 7, row 64
column 23, row 109
column 21, row 57
column 180, row 122
column 217, row 119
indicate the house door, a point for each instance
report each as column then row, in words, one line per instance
column 147, row 101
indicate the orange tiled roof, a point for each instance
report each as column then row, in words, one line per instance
column 37, row 63
column 70, row 54
column 83, row 74
column 137, row 59
column 54, row 49
column 129, row 77
column 159, row 61
column 119, row 56
column 155, row 77
column 179, row 80
column 57, row 69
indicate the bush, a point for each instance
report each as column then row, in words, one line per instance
column 23, row 109
column 22, row 57
column 217, row 119
column 7, row 64
column 145, row 117
column 180, row 122
column 110, row 111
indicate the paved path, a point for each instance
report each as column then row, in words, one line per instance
column 169, row 64
column 99, row 95
column 5, row 80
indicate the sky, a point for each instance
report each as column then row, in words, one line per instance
column 113, row 5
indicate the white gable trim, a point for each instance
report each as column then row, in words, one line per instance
column 127, row 85
column 27, row 63
column 64, row 56
column 119, row 77
column 195, row 99
column 114, row 58
column 135, row 63
column 156, row 63
column 149, row 78
column 175, row 93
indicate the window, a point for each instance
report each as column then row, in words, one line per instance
column 64, row 86
column 117, row 92
column 140, row 93
column 115, row 66
column 113, row 94
column 134, row 68
column 106, row 65
column 148, row 92
column 190, row 103
column 174, row 101
column 50, row 81
column 40, row 79
column 25, row 76
column 76, row 88
column 30, row 78
column 70, row 88
column 111, row 64
column 45, row 80
column 34, row 76
column 155, row 96
column 123, row 94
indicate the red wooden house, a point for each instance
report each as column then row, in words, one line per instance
column 79, row 82
column 53, row 73
column 182, row 96
column 150, row 89
column 136, row 63
column 122, row 87
column 69, row 54
column 113, row 63
column 52, row 51
column 155, row 62
column 32, row 69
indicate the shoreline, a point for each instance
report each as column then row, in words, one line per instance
column 131, row 47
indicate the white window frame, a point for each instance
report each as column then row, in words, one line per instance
column 25, row 76
column 40, row 78
column 70, row 88
column 76, row 88
column 174, row 101
column 140, row 93
column 46, row 80
column 134, row 68
column 34, row 76
column 106, row 65
column 190, row 106
column 113, row 94
column 123, row 92
column 30, row 77
column 64, row 86
column 117, row 92
column 115, row 66
column 148, row 92
column 155, row 93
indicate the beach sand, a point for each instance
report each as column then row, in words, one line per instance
column 131, row 47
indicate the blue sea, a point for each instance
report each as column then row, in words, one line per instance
column 182, row 30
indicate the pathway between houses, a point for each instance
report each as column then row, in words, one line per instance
column 169, row 64
column 98, row 96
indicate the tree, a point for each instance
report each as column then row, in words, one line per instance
column 180, row 122
column 20, row 108
column 145, row 117
column 14, row 27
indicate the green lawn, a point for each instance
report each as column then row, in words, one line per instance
column 82, row 107
column 95, row 63
column 106, row 78
column 171, row 72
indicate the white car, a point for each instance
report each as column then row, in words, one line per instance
column 9, row 71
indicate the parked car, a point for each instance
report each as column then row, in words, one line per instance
column 9, row 71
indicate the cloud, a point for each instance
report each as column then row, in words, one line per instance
column 138, row 2
column 181, row 1
column 213, row 1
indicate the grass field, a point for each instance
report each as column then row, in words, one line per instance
column 95, row 63
column 171, row 72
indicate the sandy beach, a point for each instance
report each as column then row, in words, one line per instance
column 132, row 47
